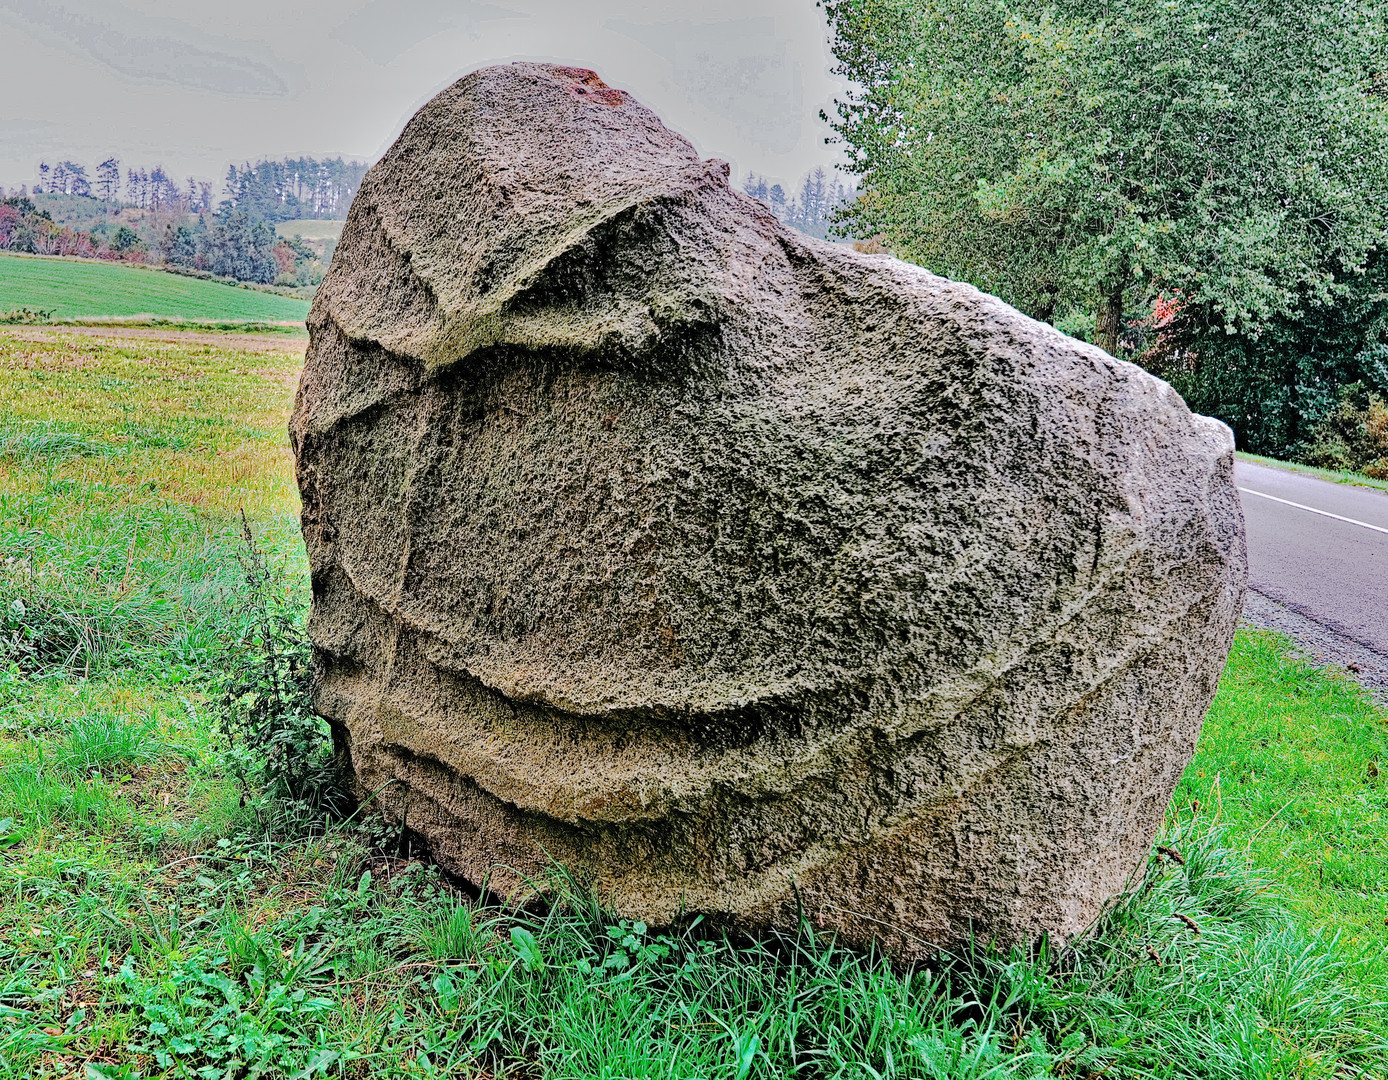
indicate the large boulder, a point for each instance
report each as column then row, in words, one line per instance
column 736, row 571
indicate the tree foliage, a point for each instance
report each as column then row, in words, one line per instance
column 1092, row 156
column 1275, row 387
column 294, row 188
column 240, row 246
column 1354, row 435
column 108, row 179
column 26, row 228
column 162, row 223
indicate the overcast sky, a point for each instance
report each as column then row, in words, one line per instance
column 195, row 84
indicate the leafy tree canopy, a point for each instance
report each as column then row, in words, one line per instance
column 1069, row 154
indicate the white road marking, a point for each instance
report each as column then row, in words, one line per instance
column 1313, row 510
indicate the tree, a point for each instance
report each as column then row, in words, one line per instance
column 75, row 180
column 1070, row 155
column 163, row 192
column 125, row 239
column 240, row 246
column 137, row 187
column 813, row 211
column 777, row 198
column 108, row 179
column 1277, row 387
column 291, row 188
column 178, row 245
column 11, row 221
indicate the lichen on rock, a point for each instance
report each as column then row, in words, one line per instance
column 737, row 571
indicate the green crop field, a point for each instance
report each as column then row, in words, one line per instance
column 184, row 893
column 77, row 289
column 310, row 229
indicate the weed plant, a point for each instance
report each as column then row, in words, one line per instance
column 275, row 742
column 25, row 316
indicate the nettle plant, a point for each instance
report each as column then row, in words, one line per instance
column 276, row 744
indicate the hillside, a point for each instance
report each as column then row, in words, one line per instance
column 76, row 289
column 310, row 228
column 79, row 212
column 318, row 235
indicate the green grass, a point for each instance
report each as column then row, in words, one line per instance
column 310, row 228
column 108, row 424
column 1294, row 761
column 1335, row 476
column 162, row 918
column 74, row 289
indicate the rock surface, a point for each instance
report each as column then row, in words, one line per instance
column 732, row 569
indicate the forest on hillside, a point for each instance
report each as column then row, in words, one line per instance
column 294, row 188
column 147, row 216
column 286, row 189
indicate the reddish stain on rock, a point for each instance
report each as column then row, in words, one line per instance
column 589, row 86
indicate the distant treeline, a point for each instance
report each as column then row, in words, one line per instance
column 810, row 208
column 144, row 188
column 282, row 190
column 230, row 243
column 294, row 188
column 148, row 217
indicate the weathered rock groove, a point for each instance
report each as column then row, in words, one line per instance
column 732, row 569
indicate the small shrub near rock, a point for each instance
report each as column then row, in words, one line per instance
column 276, row 746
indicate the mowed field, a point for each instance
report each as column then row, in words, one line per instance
column 77, row 289
column 167, row 912
column 311, row 228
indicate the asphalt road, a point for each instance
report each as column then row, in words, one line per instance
column 1319, row 549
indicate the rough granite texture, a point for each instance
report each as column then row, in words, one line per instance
column 734, row 570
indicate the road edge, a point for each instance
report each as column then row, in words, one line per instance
column 1320, row 643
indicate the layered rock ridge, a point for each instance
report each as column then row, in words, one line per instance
column 734, row 570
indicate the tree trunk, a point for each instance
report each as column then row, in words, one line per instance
column 1110, row 321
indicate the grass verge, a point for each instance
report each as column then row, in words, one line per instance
column 1335, row 476
column 1293, row 762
